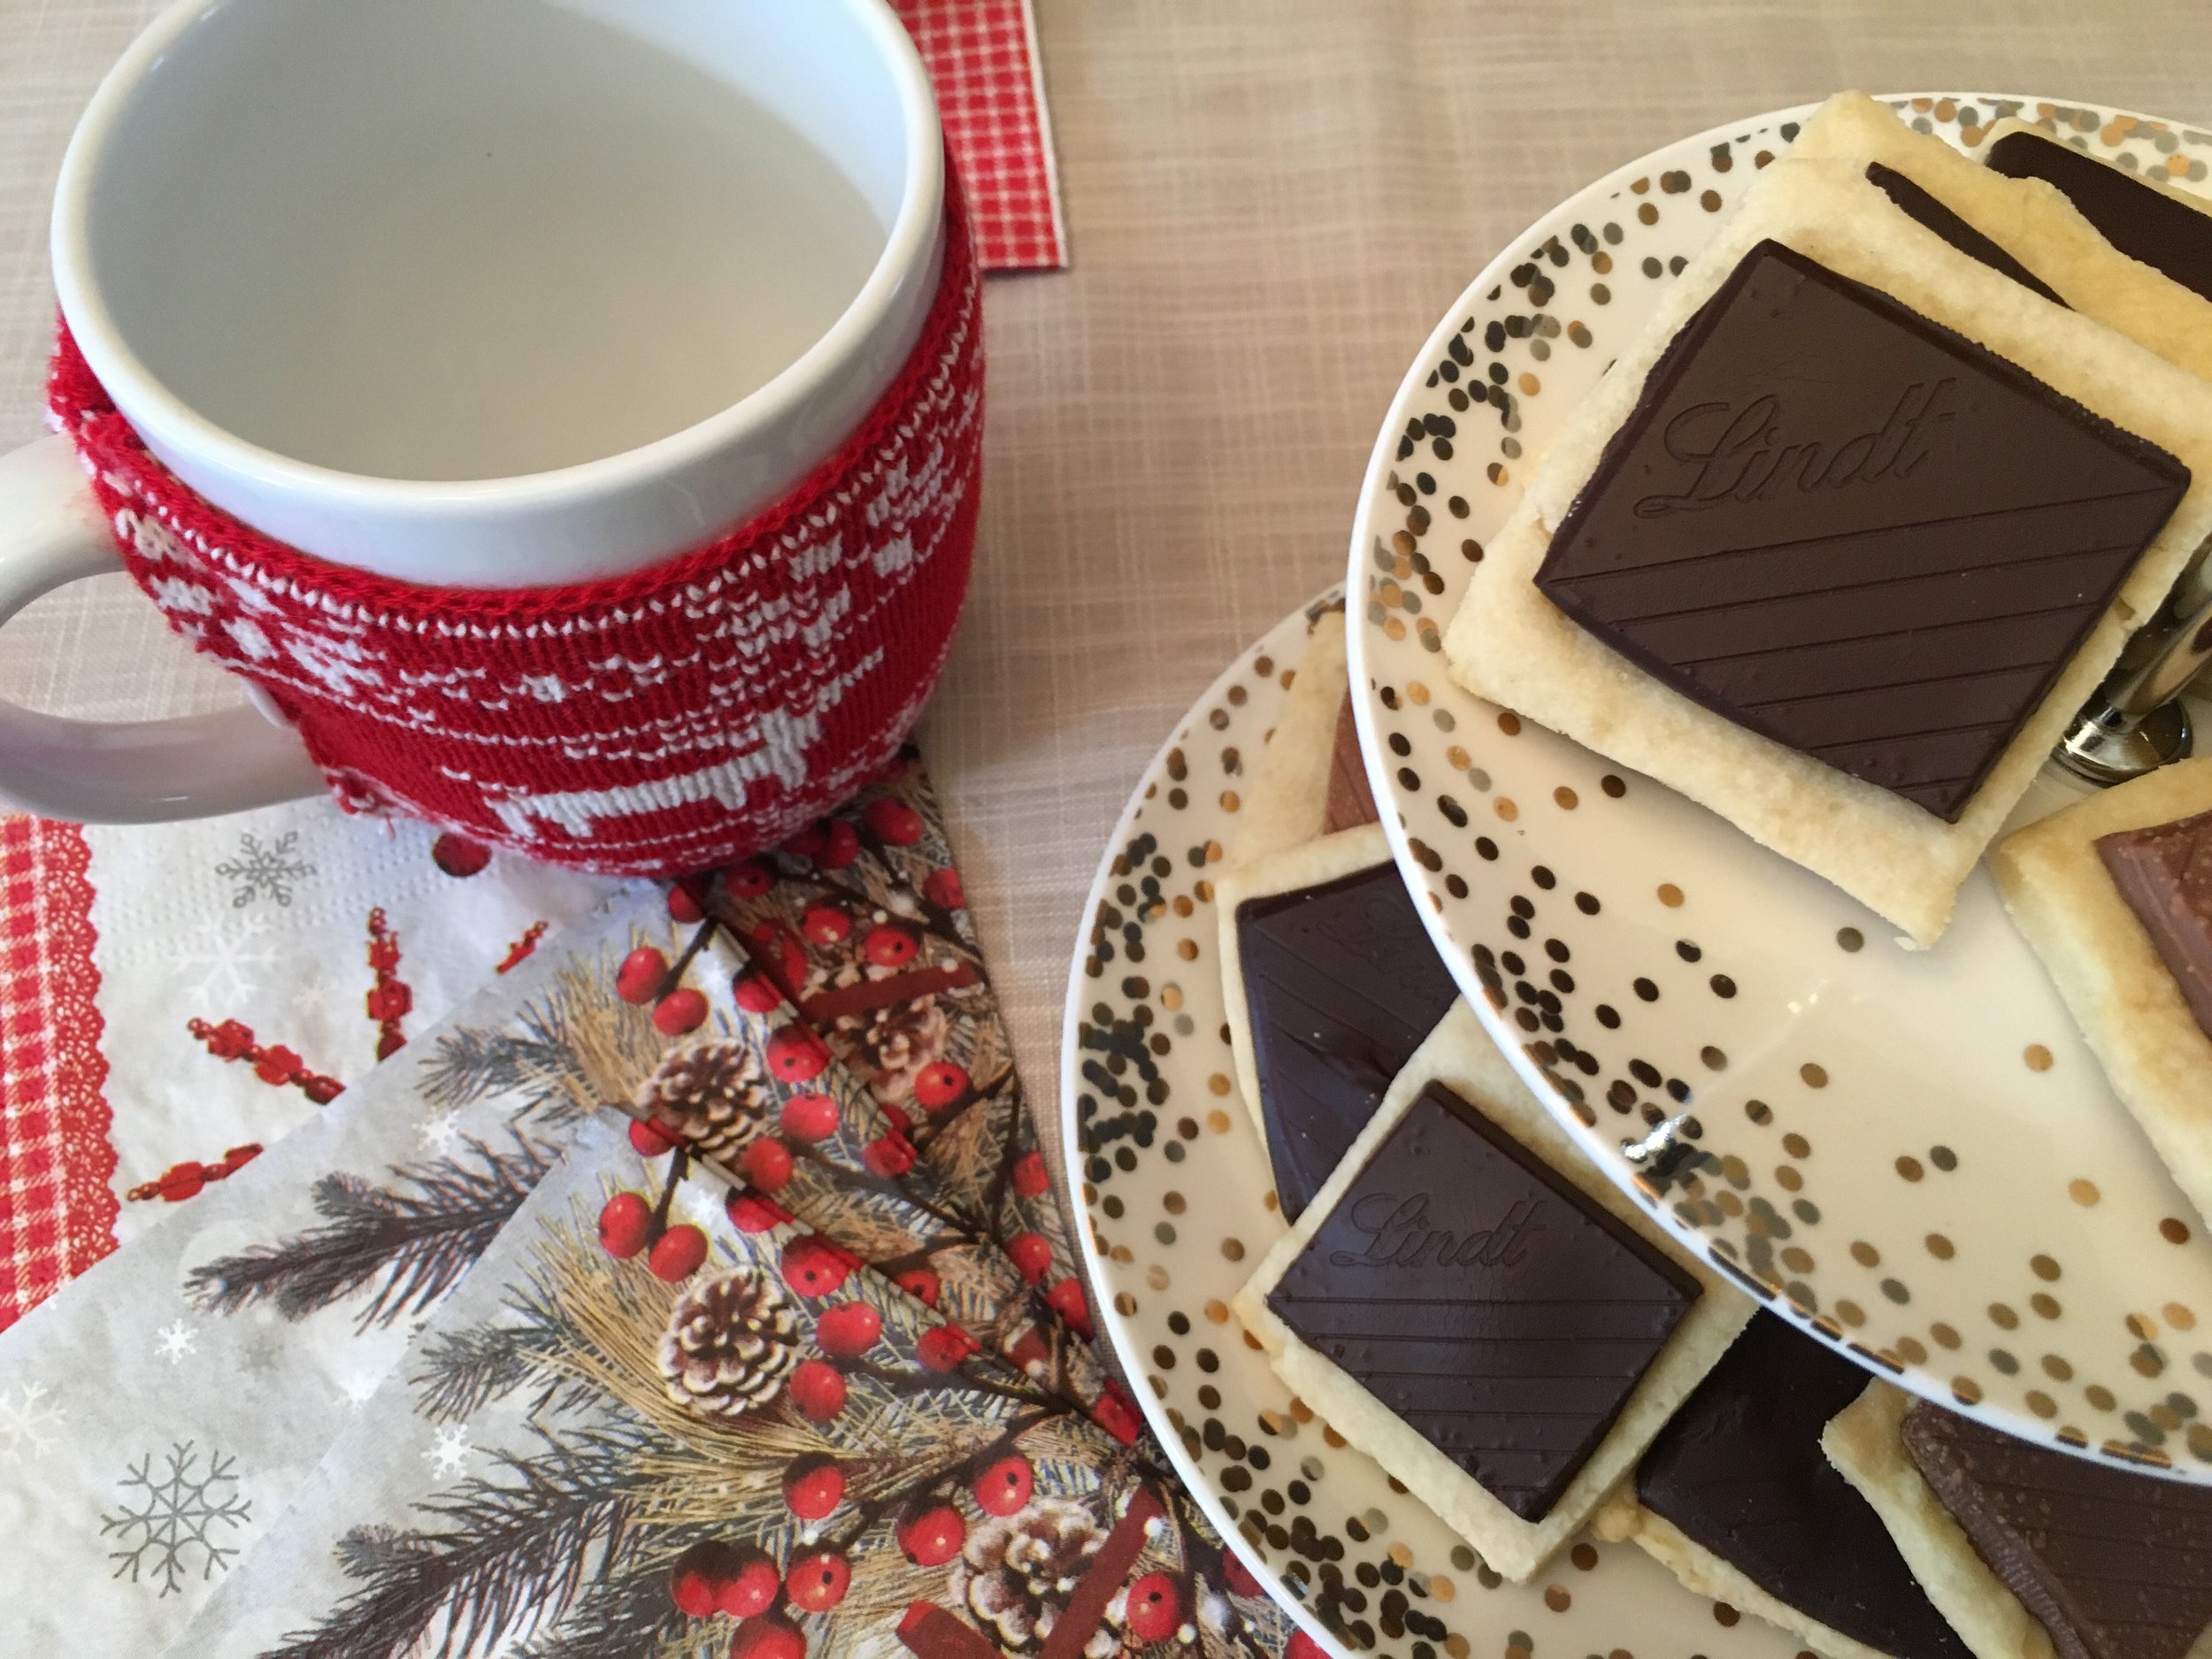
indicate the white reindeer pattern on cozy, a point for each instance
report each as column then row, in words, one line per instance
column 780, row 741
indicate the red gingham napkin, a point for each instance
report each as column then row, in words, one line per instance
column 982, row 54
column 57, row 1211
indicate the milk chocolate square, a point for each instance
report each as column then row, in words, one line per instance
column 1484, row 1299
column 1341, row 983
column 2164, row 873
column 1351, row 800
column 1850, row 530
column 2112, row 894
column 2115, row 1564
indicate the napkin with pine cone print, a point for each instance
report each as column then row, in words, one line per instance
column 585, row 1457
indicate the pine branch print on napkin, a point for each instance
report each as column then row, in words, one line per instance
column 407, row 1241
column 748, row 1457
column 756, row 1092
column 860, row 925
column 245, row 1332
column 232, row 1338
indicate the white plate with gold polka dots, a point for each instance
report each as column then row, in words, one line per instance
column 1913, row 1154
column 1178, row 1209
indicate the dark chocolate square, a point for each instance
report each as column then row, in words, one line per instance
column 1847, row 528
column 1341, row 984
column 2171, row 237
column 1740, row 1470
column 1486, row 1299
column 2164, row 873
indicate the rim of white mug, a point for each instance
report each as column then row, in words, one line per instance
column 907, row 248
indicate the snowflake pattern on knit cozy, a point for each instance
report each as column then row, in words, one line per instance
column 270, row 870
column 166, row 1523
column 707, row 705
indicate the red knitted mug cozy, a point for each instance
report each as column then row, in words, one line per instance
column 652, row 724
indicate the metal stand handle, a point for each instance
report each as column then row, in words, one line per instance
column 2136, row 724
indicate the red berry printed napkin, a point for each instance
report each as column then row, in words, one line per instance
column 759, row 1096
column 604, row 1457
column 862, row 948
column 159, row 1411
column 177, row 996
column 240, row 1335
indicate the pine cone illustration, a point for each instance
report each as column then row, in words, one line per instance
column 730, row 1344
column 902, row 1039
column 1015, row 1575
column 713, row 1093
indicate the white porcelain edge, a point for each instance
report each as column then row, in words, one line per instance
column 600, row 518
column 1119, row 1335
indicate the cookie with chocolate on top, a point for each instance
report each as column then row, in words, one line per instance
column 1469, row 1301
column 2115, row 894
column 2080, row 233
column 2157, row 224
column 1329, row 978
column 1308, row 780
column 1736, row 1497
column 2029, row 1552
column 1841, row 545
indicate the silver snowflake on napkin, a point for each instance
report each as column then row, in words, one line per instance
column 166, row 1517
column 270, row 870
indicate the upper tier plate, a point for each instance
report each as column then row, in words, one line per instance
column 1914, row 1154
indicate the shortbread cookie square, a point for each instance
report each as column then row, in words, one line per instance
column 2064, row 235
column 1867, row 1446
column 2163, row 228
column 1309, row 781
column 1330, row 982
column 1471, row 1303
column 1621, row 1519
column 2145, row 1017
column 1736, row 1498
column 1923, row 745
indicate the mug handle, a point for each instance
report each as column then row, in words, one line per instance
column 92, row 772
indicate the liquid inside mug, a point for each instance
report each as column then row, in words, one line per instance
column 406, row 337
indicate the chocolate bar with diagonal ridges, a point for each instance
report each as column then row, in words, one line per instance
column 2115, row 1564
column 1843, row 527
column 1341, row 984
column 1486, row 1299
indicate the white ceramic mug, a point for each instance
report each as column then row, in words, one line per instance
column 466, row 293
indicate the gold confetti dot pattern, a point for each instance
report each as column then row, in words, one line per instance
column 1922, row 1281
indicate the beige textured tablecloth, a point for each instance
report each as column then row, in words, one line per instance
column 1269, row 201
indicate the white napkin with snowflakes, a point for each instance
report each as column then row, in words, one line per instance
column 163, row 1407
